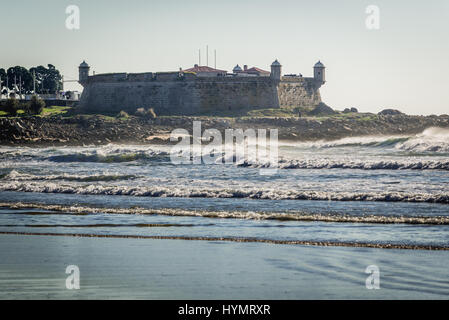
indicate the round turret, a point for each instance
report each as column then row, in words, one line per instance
column 319, row 64
column 319, row 72
column 83, row 72
column 276, row 70
column 237, row 69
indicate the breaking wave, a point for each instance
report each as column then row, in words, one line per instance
column 431, row 140
column 348, row 164
column 270, row 194
column 108, row 157
column 246, row 215
column 16, row 176
column 370, row 141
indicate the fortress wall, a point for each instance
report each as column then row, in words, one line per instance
column 108, row 77
column 187, row 97
column 166, row 76
column 164, row 97
column 232, row 94
column 304, row 93
column 148, row 76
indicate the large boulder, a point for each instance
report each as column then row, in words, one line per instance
column 389, row 112
column 322, row 109
column 352, row 110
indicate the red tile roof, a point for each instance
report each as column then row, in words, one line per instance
column 197, row 68
column 255, row 69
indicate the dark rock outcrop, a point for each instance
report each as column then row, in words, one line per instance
column 80, row 130
column 390, row 112
column 350, row 110
column 322, row 109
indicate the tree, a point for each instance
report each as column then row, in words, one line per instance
column 40, row 74
column 36, row 105
column 54, row 79
column 47, row 80
column 2, row 78
column 11, row 106
column 21, row 77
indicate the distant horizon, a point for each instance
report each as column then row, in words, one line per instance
column 402, row 65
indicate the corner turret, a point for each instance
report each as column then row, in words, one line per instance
column 319, row 73
column 237, row 69
column 276, row 70
column 83, row 72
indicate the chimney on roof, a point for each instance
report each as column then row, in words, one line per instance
column 245, row 67
column 195, row 66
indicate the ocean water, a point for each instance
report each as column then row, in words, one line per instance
column 329, row 211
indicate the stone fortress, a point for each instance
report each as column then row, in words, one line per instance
column 199, row 90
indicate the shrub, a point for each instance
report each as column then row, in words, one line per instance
column 151, row 113
column 37, row 105
column 122, row 114
column 26, row 107
column 11, row 106
column 141, row 112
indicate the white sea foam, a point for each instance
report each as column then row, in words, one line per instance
column 198, row 192
column 431, row 140
column 402, row 164
column 235, row 214
column 18, row 176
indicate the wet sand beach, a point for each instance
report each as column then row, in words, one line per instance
column 33, row 267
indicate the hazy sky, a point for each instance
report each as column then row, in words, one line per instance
column 403, row 65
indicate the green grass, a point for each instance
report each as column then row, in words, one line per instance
column 54, row 110
column 275, row 112
column 47, row 112
column 112, row 118
column 357, row 116
column 284, row 112
column 20, row 113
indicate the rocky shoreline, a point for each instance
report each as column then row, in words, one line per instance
column 84, row 130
